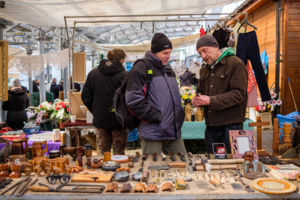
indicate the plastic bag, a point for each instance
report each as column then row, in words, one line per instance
column 265, row 61
column 289, row 118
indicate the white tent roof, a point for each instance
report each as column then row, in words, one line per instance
column 51, row 12
column 141, row 48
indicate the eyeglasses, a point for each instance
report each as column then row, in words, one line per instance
column 64, row 178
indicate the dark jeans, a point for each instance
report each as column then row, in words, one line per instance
column 219, row 134
column 247, row 49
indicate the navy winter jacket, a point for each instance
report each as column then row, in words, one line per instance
column 161, row 112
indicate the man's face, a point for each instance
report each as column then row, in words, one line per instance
column 164, row 56
column 209, row 54
column 37, row 81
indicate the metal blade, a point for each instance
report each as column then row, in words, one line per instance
column 191, row 169
column 182, row 158
column 173, row 158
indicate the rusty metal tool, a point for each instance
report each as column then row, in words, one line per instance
column 17, row 186
column 26, row 188
column 24, row 184
column 100, row 188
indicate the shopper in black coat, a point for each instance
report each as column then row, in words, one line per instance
column 97, row 95
column 35, row 85
column 54, row 88
column 186, row 79
column 17, row 103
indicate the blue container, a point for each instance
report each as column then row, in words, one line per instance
column 132, row 135
column 289, row 118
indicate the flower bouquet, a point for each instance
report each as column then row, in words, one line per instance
column 61, row 110
column 268, row 106
column 187, row 94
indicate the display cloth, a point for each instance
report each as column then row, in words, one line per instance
column 52, row 12
column 31, row 66
column 50, row 144
column 194, row 189
column 196, row 130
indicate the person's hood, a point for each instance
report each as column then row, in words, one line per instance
column 110, row 67
column 34, row 83
column 229, row 51
column 18, row 91
column 53, row 83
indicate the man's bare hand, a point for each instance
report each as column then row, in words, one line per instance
column 202, row 100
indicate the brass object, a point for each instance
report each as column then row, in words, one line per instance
column 162, row 173
column 156, row 180
column 38, row 169
column 37, row 149
column 195, row 175
column 153, row 174
column 158, row 173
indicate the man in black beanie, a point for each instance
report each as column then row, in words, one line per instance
column 159, row 105
column 222, row 90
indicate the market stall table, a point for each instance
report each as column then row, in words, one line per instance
column 196, row 130
column 192, row 191
column 51, row 145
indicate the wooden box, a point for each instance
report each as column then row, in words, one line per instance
column 79, row 67
column 62, row 136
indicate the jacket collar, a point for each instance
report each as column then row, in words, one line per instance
column 157, row 62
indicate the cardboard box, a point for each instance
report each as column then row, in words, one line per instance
column 63, row 136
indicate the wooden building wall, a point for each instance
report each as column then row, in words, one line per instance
column 264, row 18
column 291, row 55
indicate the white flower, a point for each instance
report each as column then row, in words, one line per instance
column 273, row 95
column 45, row 103
column 49, row 107
column 278, row 102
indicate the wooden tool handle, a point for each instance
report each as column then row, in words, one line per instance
column 226, row 161
column 38, row 189
column 215, row 180
column 176, row 165
column 217, row 167
column 198, row 168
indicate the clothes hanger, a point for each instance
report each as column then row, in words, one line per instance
column 245, row 21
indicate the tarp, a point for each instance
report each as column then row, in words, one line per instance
column 141, row 48
column 52, row 12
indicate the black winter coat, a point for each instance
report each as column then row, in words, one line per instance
column 98, row 92
column 17, row 103
column 54, row 89
column 35, row 87
column 186, row 79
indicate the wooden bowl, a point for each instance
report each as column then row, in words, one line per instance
column 69, row 150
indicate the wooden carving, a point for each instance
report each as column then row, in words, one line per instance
column 3, row 70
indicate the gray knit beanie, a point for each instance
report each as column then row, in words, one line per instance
column 206, row 41
column 15, row 82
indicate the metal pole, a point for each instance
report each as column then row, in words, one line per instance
column 30, row 89
column 48, row 74
column 277, row 67
column 2, row 27
column 41, row 39
column 93, row 59
column 69, row 70
column 154, row 15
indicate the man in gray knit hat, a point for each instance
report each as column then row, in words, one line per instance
column 222, row 90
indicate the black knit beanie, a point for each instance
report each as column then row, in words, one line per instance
column 160, row 42
column 208, row 41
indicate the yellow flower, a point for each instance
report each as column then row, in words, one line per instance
column 184, row 97
column 193, row 94
column 190, row 97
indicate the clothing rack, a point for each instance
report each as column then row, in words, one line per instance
column 72, row 46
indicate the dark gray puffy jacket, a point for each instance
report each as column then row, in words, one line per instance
column 161, row 112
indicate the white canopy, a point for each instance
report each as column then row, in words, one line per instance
column 141, row 48
column 51, row 12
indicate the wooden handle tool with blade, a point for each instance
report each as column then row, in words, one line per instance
column 40, row 189
column 176, row 165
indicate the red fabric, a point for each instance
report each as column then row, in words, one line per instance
column 202, row 32
column 251, row 78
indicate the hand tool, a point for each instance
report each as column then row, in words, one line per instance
column 164, row 157
column 211, row 182
column 183, row 172
column 136, row 158
column 77, row 186
column 154, row 157
column 199, row 168
column 182, row 157
column 176, row 165
column 179, row 172
column 207, row 156
column 226, row 161
column 41, row 188
column 159, row 167
column 26, row 188
column 190, row 155
column 247, row 187
column 202, row 176
column 153, row 174
column 162, row 173
column 175, row 173
column 145, row 157
column 216, row 181
column 24, row 184
column 17, row 186
column 169, row 173
column 209, row 167
column 156, row 180
column 191, row 169
column 195, row 175
column 158, row 173
column 172, row 156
